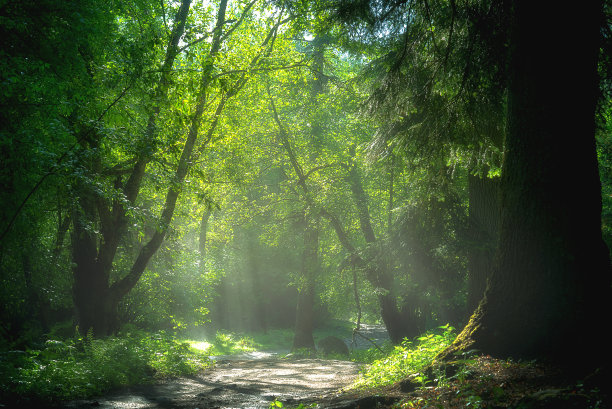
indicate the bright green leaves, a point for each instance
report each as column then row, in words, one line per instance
column 407, row 360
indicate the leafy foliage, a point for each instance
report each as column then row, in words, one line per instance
column 408, row 360
column 403, row 100
column 80, row 367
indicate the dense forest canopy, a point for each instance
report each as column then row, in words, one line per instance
column 246, row 165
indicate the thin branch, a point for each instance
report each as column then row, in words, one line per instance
column 356, row 332
column 194, row 42
column 318, row 168
column 450, row 34
column 239, row 21
column 163, row 8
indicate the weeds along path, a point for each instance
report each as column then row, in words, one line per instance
column 238, row 383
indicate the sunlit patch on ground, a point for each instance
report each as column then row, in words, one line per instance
column 200, row 345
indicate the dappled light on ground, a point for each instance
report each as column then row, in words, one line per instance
column 239, row 383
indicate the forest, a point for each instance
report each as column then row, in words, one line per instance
column 186, row 180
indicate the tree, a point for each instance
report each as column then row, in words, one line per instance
column 55, row 51
column 553, row 271
column 442, row 114
column 539, row 296
column 95, row 300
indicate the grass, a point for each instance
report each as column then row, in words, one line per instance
column 232, row 343
column 272, row 340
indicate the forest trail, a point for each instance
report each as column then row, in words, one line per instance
column 251, row 380
column 252, row 383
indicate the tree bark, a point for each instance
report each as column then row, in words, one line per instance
column 120, row 288
column 258, row 311
column 484, row 220
column 304, row 320
column 95, row 300
column 202, row 237
column 553, row 270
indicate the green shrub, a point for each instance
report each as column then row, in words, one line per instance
column 228, row 343
column 81, row 367
column 406, row 360
column 368, row 356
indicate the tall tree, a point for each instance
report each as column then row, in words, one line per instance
column 436, row 107
column 94, row 301
column 553, row 273
column 95, row 298
column 47, row 84
column 539, row 296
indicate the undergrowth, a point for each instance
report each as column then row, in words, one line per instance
column 407, row 360
column 229, row 343
column 82, row 366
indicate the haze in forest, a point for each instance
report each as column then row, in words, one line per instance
column 241, row 167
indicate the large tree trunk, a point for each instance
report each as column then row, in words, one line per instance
column 93, row 302
column 484, row 218
column 122, row 287
column 95, row 299
column 553, row 270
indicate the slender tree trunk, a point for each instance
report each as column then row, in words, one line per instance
column 390, row 203
column 258, row 310
column 305, row 307
column 304, row 320
column 552, row 275
column 357, row 299
column 202, row 238
column 399, row 324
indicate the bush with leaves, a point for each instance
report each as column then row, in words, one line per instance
column 80, row 367
column 409, row 359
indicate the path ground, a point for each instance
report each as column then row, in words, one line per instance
column 236, row 383
column 245, row 381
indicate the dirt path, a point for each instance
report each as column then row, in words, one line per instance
column 238, row 384
column 252, row 380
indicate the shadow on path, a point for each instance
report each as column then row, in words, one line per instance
column 237, row 384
